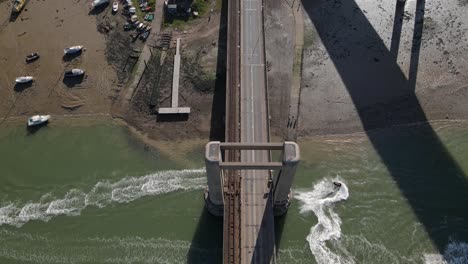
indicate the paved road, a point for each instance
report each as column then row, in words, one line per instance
column 257, row 226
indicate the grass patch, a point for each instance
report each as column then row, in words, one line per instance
column 181, row 23
column 201, row 6
column 309, row 37
column 177, row 23
column 218, row 5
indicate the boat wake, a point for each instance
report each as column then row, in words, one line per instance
column 320, row 201
column 102, row 194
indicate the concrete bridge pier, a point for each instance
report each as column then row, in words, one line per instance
column 283, row 179
column 214, row 192
column 280, row 185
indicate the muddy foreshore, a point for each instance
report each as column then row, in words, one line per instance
column 333, row 91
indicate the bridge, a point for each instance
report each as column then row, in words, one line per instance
column 244, row 184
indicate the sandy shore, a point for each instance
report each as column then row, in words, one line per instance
column 48, row 28
column 373, row 64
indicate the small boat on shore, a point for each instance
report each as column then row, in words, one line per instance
column 24, row 79
column 97, row 3
column 18, row 6
column 32, row 57
column 38, row 120
column 73, row 50
column 115, row 6
column 74, row 72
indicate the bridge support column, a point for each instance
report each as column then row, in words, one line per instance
column 214, row 192
column 284, row 178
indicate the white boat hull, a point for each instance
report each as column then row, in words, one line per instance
column 72, row 50
column 97, row 3
column 38, row 120
column 24, row 79
column 74, row 72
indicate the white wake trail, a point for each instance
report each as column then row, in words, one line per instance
column 102, row 194
column 320, row 201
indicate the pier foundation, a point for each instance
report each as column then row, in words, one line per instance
column 280, row 183
column 284, row 178
column 214, row 192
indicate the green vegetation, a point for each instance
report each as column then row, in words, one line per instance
column 201, row 6
column 178, row 23
column 309, row 38
column 139, row 12
column 218, row 5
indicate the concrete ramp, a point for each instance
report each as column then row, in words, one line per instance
column 175, row 109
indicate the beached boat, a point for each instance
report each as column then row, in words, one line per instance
column 74, row 72
column 32, row 57
column 24, row 79
column 115, row 6
column 38, row 119
column 18, row 5
column 73, row 50
column 97, row 3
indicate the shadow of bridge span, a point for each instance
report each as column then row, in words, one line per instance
column 207, row 242
column 383, row 97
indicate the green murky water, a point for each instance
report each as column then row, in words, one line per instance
column 94, row 194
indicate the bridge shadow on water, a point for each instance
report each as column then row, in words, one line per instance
column 384, row 97
column 207, row 242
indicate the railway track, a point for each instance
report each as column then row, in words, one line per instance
column 232, row 182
